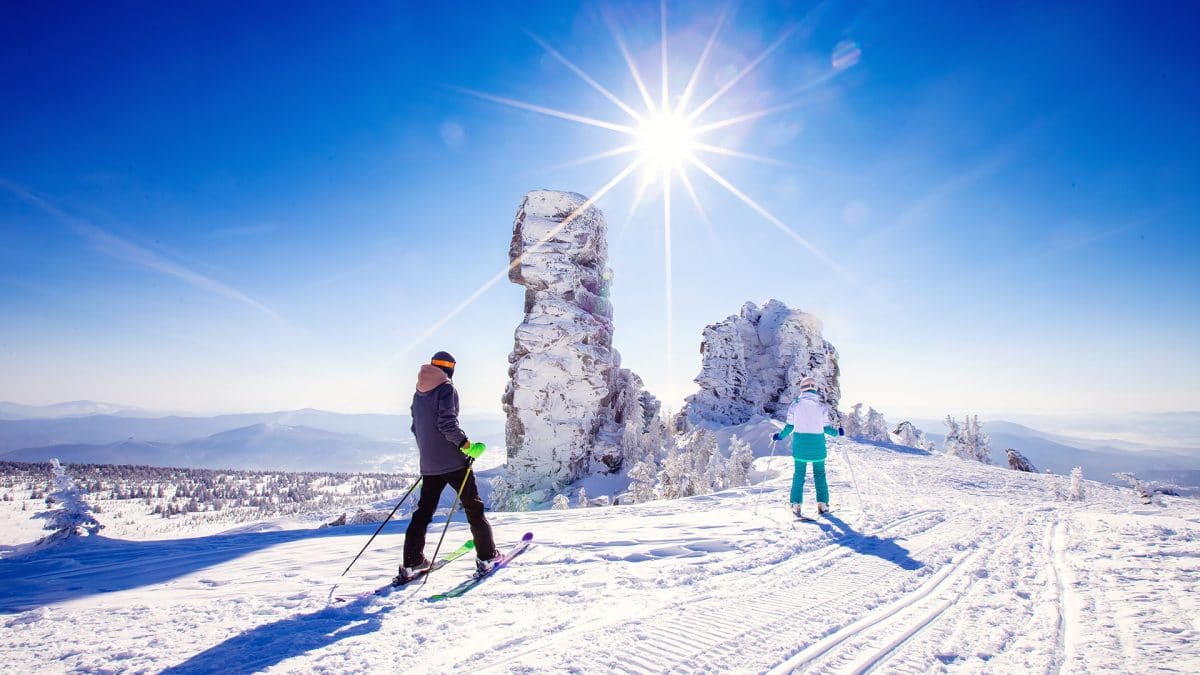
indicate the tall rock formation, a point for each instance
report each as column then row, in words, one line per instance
column 754, row 361
column 568, row 401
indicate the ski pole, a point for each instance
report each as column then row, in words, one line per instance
column 453, row 508
column 380, row 528
column 853, row 480
column 760, row 494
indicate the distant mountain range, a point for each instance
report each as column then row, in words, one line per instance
column 259, row 446
column 1100, row 458
column 17, row 411
column 296, row 440
column 308, row 439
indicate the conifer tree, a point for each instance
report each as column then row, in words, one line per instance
column 643, row 480
column 741, row 458
column 954, row 441
column 714, row 476
column 854, row 422
column 73, row 516
column 876, row 427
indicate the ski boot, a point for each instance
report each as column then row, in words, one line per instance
column 823, row 508
column 407, row 574
column 485, row 567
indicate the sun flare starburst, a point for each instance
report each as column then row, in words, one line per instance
column 666, row 141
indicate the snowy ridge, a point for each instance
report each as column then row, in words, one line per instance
column 945, row 563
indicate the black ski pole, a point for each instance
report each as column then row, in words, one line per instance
column 453, row 507
column 385, row 522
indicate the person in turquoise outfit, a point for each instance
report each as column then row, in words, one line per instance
column 808, row 421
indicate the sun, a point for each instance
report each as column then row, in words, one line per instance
column 666, row 141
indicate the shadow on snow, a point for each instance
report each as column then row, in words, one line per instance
column 83, row 567
column 886, row 549
column 269, row 644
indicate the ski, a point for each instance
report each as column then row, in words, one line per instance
column 476, row 580
column 392, row 585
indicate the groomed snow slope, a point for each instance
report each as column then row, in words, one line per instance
column 943, row 565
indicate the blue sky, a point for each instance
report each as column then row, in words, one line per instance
column 232, row 206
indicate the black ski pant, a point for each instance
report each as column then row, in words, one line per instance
column 472, row 505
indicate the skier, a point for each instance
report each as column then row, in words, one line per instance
column 807, row 419
column 444, row 451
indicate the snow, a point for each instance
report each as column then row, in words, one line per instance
column 939, row 564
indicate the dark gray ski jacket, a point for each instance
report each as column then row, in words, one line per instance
column 435, row 423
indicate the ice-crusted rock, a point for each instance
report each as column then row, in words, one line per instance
column 753, row 363
column 1019, row 462
column 568, row 401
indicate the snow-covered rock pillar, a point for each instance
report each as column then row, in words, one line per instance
column 567, row 398
column 753, row 363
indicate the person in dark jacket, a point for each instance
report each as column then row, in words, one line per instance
column 442, row 444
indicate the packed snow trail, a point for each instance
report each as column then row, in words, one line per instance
column 947, row 564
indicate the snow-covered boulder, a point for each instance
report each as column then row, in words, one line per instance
column 1019, row 462
column 753, row 363
column 568, row 400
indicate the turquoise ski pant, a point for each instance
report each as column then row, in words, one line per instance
column 818, row 480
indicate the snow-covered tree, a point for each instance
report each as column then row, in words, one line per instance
column 979, row 444
column 643, row 478
column 967, row 441
column 714, row 475
column 1018, row 462
column 1075, row 493
column 675, row 477
column 631, row 435
column 741, row 458
column 73, row 516
column 912, row 437
column 906, row 434
column 701, row 448
column 854, row 422
column 560, row 503
column 581, row 498
column 875, row 428
column 655, row 439
column 502, row 493
column 1143, row 494
column 953, row 443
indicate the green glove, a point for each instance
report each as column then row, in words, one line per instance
column 474, row 450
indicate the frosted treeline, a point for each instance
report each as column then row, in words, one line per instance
column 135, row 500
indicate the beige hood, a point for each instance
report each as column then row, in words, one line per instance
column 430, row 377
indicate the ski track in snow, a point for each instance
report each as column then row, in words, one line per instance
column 944, row 566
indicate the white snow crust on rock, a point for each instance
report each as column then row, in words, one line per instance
column 568, row 400
column 753, row 363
